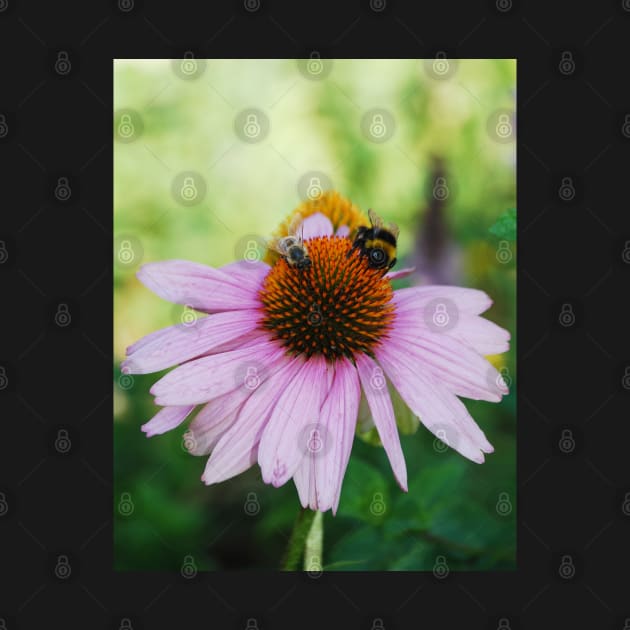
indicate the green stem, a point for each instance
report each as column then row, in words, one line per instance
column 314, row 544
column 299, row 536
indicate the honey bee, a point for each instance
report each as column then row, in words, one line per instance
column 293, row 249
column 377, row 243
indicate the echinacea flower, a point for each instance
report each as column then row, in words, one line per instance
column 281, row 361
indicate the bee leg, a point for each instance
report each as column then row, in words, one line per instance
column 392, row 263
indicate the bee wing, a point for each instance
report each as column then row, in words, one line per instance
column 375, row 220
column 298, row 222
column 274, row 244
column 394, row 229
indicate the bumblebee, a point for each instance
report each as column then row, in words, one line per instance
column 377, row 243
column 293, row 250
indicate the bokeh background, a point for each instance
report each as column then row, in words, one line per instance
column 210, row 155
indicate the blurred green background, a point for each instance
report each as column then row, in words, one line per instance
column 442, row 168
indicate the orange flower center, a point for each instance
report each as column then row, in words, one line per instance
column 335, row 307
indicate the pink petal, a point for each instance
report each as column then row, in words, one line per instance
column 377, row 395
column 417, row 361
column 465, row 421
column 183, row 342
column 317, row 224
column 299, row 405
column 214, row 420
column 248, row 273
column 166, row 419
column 470, row 301
column 320, row 475
column 248, row 340
column 206, row 378
column 482, row 335
column 305, row 483
column 343, row 231
column 460, row 368
column 237, row 449
column 198, row 286
column 400, row 273
column 221, row 413
column 430, row 401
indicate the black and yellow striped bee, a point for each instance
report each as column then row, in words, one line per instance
column 377, row 243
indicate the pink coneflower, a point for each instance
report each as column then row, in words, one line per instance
column 280, row 363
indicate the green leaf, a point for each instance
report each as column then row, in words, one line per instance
column 358, row 550
column 505, row 227
column 416, row 557
column 364, row 494
column 406, row 420
column 370, row 437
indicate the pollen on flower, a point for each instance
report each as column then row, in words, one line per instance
column 336, row 307
column 331, row 204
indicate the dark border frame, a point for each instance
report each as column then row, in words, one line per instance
column 572, row 252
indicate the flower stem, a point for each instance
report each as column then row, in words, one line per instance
column 314, row 545
column 300, row 539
